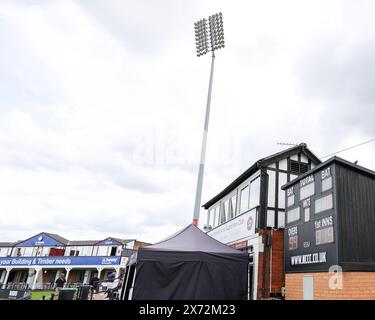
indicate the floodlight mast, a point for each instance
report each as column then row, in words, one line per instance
column 208, row 38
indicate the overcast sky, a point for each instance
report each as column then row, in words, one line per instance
column 102, row 105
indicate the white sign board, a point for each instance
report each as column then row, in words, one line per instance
column 124, row 260
column 236, row 229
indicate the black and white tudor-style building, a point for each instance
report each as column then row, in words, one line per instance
column 249, row 214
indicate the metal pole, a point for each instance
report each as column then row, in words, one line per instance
column 198, row 193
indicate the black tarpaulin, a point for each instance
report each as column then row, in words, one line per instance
column 190, row 265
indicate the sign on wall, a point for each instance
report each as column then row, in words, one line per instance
column 236, row 229
column 59, row 261
column 108, row 242
column 40, row 240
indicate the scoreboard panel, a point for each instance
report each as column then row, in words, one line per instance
column 311, row 222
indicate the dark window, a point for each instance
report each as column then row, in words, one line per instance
column 298, row 167
column 304, row 167
column 55, row 252
column 71, row 252
column 113, row 251
column 294, row 167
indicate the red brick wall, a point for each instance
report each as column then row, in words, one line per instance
column 260, row 276
column 278, row 276
column 355, row 286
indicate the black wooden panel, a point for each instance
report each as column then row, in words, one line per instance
column 356, row 216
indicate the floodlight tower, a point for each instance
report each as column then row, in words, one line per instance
column 208, row 37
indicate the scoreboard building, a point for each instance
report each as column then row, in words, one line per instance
column 330, row 233
column 249, row 215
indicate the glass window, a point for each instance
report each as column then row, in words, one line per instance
column 233, row 201
column 217, row 216
column 283, row 164
column 17, row 252
column 293, row 243
column 45, row 251
column 28, row 252
column 270, row 218
column 103, row 251
column 271, row 187
column 281, row 219
column 222, row 214
column 293, row 215
column 86, row 251
column 290, row 200
column 213, row 214
column 307, row 190
column 323, row 236
column 38, row 251
column 254, row 192
column 324, row 203
column 327, row 184
column 226, row 210
column 283, row 177
column 244, row 204
column 212, row 217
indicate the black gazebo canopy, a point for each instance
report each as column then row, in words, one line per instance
column 190, row 265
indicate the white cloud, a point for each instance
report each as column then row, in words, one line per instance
column 102, row 107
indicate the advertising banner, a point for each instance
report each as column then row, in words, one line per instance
column 58, row 261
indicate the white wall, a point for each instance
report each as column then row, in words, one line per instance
column 4, row 251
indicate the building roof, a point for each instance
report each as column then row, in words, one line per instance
column 67, row 242
column 302, row 147
column 94, row 242
column 7, row 244
column 334, row 159
column 82, row 242
column 56, row 237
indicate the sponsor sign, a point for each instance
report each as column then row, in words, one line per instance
column 124, row 260
column 310, row 258
column 236, row 229
column 239, row 245
column 40, row 240
column 58, row 261
column 108, row 242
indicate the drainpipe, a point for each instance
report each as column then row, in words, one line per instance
column 271, row 262
column 263, row 221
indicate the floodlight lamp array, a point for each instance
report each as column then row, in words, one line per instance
column 209, row 34
column 216, row 31
column 201, row 37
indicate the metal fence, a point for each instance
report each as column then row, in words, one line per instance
column 17, row 286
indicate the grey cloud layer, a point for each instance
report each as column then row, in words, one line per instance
column 102, row 105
